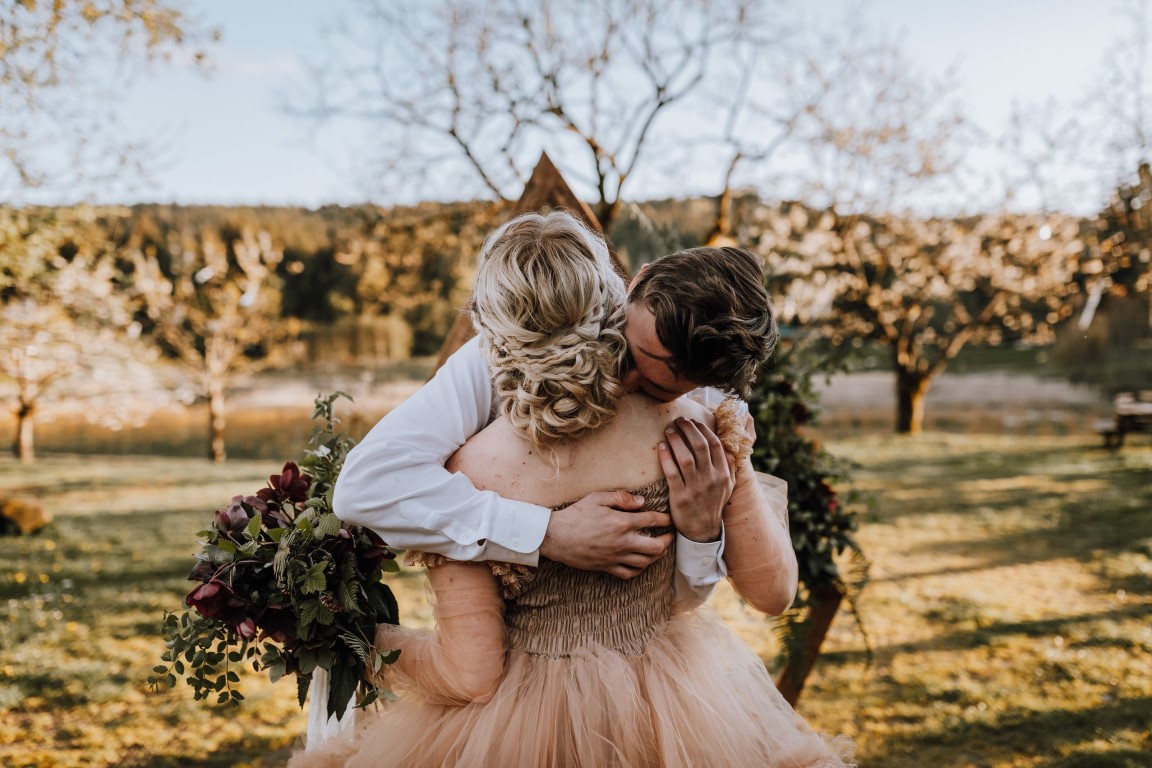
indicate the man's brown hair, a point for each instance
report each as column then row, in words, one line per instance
column 713, row 315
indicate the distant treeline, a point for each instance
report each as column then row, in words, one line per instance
column 365, row 283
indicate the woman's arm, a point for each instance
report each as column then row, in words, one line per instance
column 758, row 549
column 461, row 661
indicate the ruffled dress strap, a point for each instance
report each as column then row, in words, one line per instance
column 512, row 577
column 730, row 429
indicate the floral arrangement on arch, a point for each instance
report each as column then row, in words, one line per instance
column 284, row 585
column 822, row 505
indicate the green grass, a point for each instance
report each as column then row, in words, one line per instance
column 1009, row 609
column 1009, row 613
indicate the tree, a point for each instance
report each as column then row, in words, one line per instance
column 413, row 266
column 923, row 287
column 1120, row 97
column 62, row 64
column 210, row 299
column 1122, row 103
column 68, row 342
column 474, row 90
column 885, row 256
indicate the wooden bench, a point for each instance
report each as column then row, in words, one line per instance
column 1131, row 412
column 1106, row 428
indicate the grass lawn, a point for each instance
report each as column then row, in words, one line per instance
column 1009, row 613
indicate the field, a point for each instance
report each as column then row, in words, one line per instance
column 1009, row 613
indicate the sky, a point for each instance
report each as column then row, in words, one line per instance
column 228, row 139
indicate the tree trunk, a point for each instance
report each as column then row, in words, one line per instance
column 25, row 448
column 825, row 601
column 910, row 390
column 606, row 213
column 217, row 419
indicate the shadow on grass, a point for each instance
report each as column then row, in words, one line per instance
column 1082, row 529
column 957, row 639
column 250, row 751
column 1091, row 758
column 962, row 462
column 1044, row 731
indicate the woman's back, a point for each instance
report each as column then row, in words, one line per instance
column 621, row 455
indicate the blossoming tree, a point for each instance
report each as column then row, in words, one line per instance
column 63, row 66
column 68, row 343
column 210, row 300
column 922, row 287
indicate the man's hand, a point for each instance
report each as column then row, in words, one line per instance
column 700, row 479
column 594, row 534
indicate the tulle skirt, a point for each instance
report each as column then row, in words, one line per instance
column 697, row 696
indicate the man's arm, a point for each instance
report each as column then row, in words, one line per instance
column 700, row 482
column 395, row 483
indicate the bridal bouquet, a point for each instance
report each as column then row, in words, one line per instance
column 284, row 585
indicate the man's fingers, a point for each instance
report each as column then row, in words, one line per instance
column 715, row 447
column 647, row 547
column 706, row 446
column 693, row 432
column 622, row 500
column 647, row 550
column 682, row 453
column 669, row 465
column 623, row 572
column 640, row 560
column 649, row 519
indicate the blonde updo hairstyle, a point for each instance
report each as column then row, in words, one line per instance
column 549, row 309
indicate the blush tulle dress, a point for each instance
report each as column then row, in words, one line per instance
column 599, row 673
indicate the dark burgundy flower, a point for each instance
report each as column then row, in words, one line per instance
column 247, row 628
column 215, row 599
column 290, row 485
column 203, row 572
column 274, row 515
column 376, row 549
column 801, row 414
column 234, row 519
column 277, row 623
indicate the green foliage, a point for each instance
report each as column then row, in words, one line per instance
column 279, row 569
column 822, row 520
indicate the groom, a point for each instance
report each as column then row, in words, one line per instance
column 698, row 318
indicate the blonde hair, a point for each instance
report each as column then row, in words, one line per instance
column 549, row 308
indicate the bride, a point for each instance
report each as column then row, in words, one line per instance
column 553, row 666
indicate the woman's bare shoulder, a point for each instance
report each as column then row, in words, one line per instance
column 494, row 446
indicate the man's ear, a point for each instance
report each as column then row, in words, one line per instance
column 635, row 279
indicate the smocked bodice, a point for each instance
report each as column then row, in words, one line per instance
column 562, row 608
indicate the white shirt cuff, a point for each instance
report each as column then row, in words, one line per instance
column 516, row 538
column 701, row 562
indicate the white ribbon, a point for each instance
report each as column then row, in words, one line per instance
column 321, row 725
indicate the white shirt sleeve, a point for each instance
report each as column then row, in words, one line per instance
column 395, row 483
column 699, row 568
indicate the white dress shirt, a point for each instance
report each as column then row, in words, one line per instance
column 395, row 483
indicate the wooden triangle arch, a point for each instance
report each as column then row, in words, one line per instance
column 545, row 190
